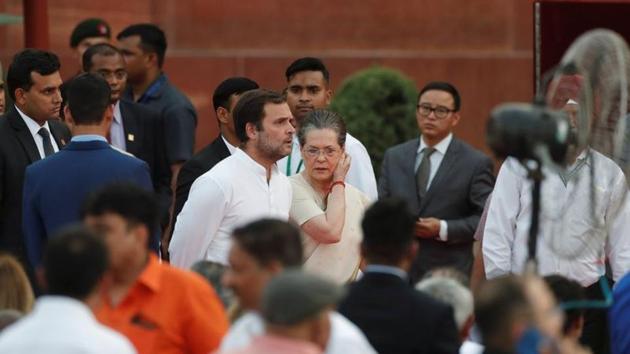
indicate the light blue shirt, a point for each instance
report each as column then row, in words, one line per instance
column 385, row 269
column 88, row 137
column 117, row 130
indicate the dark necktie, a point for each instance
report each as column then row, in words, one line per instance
column 424, row 171
column 48, row 148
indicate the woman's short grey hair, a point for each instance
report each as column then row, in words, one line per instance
column 451, row 292
column 323, row 119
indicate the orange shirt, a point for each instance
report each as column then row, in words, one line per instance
column 168, row 311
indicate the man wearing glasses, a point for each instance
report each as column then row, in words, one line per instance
column 444, row 181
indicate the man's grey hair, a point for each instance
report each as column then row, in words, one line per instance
column 451, row 292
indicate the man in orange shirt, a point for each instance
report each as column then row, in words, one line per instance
column 159, row 308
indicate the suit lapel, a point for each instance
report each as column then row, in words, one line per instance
column 23, row 135
column 132, row 131
column 443, row 171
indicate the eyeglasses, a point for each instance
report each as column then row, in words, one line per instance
column 439, row 112
column 119, row 74
column 312, row 152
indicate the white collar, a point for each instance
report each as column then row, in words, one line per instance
column 231, row 148
column 441, row 147
column 253, row 165
column 31, row 124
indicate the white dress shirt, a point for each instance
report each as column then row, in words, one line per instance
column 360, row 174
column 571, row 240
column 231, row 148
column 231, row 194
column 34, row 128
column 345, row 336
column 436, row 160
column 61, row 325
column 117, row 130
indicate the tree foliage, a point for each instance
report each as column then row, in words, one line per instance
column 378, row 105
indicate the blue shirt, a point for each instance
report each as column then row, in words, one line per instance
column 619, row 317
column 179, row 118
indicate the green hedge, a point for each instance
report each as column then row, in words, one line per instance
column 378, row 105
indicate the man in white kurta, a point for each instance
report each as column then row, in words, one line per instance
column 242, row 188
column 576, row 234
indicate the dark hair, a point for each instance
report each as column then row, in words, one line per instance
column 104, row 49
column 387, row 230
column 498, row 303
column 152, row 39
column 270, row 240
column 323, row 119
column 26, row 62
column 88, row 96
column 229, row 87
column 446, row 87
column 74, row 262
column 251, row 109
column 565, row 290
column 132, row 203
column 307, row 64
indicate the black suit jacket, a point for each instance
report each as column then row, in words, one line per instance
column 199, row 164
column 17, row 151
column 457, row 195
column 144, row 138
column 397, row 319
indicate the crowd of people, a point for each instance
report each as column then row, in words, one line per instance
column 276, row 237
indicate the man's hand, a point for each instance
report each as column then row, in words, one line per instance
column 427, row 228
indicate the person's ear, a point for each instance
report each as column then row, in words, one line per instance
column 251, row 131
column 67, row 115
column 274, row 267
column 456, row 117
column 329, row 95
column 152, row 60
column 223, row 115
column 141, row 235
column 20, row 96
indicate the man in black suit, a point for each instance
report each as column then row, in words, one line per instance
column 224, row 100
column 395, row 317
column 135, row 129
column 29, row 131
column 444, row 181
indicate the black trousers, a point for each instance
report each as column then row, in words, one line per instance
column 595, row 334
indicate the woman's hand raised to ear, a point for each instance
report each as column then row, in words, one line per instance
column 341, row 170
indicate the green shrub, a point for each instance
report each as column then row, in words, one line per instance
column 378, row 105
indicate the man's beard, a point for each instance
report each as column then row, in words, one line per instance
column 270, row 151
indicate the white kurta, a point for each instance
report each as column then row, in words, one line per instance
column 61, row 325
column 233, row 193
column 571, row 241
